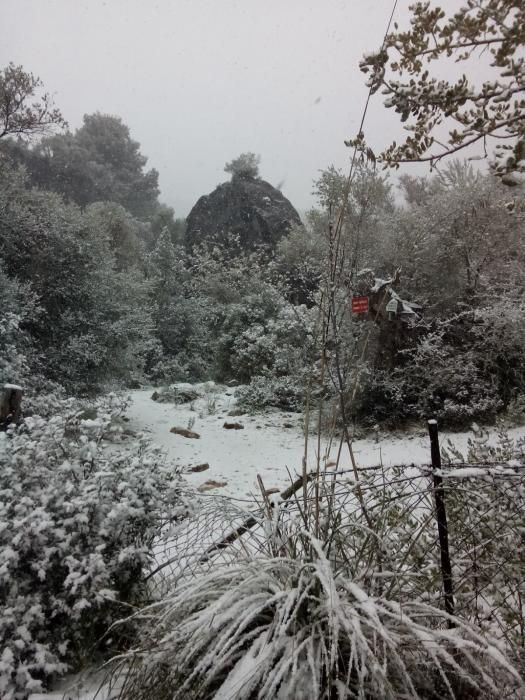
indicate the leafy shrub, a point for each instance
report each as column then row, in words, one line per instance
column 265, row 336
column 267, row 392
column 88, row 320
column 381, row 398
column 438, row 378
column 167, row 370
column 245, row 345
column 76, row 530
column 19, row 306
column 446, row 381
column 498, row 335
column 179, row 394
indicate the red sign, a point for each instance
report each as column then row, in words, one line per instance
column 359, row 305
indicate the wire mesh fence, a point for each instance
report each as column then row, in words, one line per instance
column 381, row 529
column 191, row 547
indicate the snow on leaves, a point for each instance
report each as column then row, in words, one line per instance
column 430, row 106
column 76, row 526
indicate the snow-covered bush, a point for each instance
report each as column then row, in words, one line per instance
column 485, row 510
column 285, row 393
column 381, row 398
column 278, row 628
column 438, row 378
column 299, row 261
column 166, row 370
column 267, row 342
column 499, row 341
column 19, row 305
column 246, row 344
column 91, row 320
column 278, row 345
column 77, row 522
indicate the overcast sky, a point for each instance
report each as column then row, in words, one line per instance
column 200, row 81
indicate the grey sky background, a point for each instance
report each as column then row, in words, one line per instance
column 200, row 81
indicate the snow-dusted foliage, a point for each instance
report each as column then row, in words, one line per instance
column 223, row 318
column 443, row 116
column 15, row 344
column 77, row 522
column 469, row 367
column 270, row 349
column 90, row 320
column 286, row 393
column 458, row 244
column 281, row 628
column 437, row 379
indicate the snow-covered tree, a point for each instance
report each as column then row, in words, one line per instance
column 19, row 307
column 445, row 116
column 76, row 531
column 99, row 162
column 23, row 111
column 94, row 317
column 124, row 232
column 462, row 242
column 245, row 166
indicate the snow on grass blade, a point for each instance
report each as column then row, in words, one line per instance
column 276, row 628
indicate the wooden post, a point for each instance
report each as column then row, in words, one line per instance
column 441, row 517
column 10, row 404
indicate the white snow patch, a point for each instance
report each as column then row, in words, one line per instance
column 265, row 446
column 88, row 685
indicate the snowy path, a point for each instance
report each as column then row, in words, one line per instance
column 264, row 446
column 269, row 444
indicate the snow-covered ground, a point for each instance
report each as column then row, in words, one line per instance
column 270, row 444
column 263, row 446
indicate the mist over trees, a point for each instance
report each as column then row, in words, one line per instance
column 107, row 291
column 98, row 162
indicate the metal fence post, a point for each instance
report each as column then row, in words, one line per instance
column 441, row 516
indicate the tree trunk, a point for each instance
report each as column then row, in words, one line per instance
column 10, row 404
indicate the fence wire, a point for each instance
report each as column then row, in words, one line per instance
column 392, row 550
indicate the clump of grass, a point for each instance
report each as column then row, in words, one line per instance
column 278, row 628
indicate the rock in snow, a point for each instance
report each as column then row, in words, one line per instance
column 185, row 432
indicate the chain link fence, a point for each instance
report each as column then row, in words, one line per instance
column 382, row 529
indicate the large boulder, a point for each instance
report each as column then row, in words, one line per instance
column 248, row 208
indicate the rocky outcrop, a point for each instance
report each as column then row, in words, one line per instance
column 177, row 395
column 233, row 426
column 248, row 208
